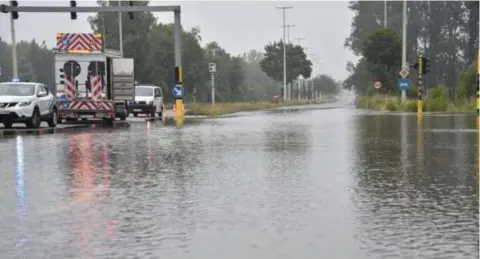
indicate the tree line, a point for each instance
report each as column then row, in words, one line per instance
column 253, row 76
column 445, row 32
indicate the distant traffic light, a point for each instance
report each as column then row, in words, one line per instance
column 130, row 14
column 73, row 15
column 14, row 14
column 422, row 65
column 425, row 68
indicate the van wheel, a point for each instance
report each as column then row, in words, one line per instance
column 152, row 113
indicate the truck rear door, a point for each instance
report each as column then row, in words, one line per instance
column 123, row 79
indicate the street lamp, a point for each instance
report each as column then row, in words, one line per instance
column 284, row 8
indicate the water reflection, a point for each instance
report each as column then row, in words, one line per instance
column 20, row 192
column 436, row 204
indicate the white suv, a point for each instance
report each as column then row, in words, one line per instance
column 27, row 102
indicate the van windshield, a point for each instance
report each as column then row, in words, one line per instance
column 16, row 89
column 143, row 91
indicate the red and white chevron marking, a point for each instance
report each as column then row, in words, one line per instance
column 70, row 90
column 79, row 41
column 96, row 83
column 91, row 105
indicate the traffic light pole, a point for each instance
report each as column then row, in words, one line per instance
column 14, row 47
column 420, row 86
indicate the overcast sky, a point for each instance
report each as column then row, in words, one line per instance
column 238, row 26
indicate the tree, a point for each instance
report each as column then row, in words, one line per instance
column 297, row 62
column 326, row 85
column 382, row 53
column 450, row 43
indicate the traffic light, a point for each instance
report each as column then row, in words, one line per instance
column 130, row 14
column 14, row 14
column 62, row 76
column 73, row 15
column 425, row 68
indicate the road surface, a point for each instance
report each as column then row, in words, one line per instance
column 326, row 183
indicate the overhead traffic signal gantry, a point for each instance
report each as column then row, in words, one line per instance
column 73, row 15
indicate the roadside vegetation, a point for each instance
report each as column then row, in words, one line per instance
column 450, row 82
column 219, row 109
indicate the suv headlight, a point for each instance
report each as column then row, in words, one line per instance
column 25, row 103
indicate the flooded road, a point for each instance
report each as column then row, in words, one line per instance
column 333, row 183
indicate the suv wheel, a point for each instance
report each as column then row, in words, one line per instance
column 34, row 121
column 8, row 124
column 53, row 119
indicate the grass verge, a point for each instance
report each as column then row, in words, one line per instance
column 219, row 109
column 388, row 103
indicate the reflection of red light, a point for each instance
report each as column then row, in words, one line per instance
column 111, row 229
column 106, row 187
column 105, row 169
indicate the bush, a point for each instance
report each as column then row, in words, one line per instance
column 437, row 93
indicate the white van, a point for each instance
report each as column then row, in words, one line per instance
column 148, row 100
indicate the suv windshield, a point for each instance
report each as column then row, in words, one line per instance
column 17, row 89
column 143, row 91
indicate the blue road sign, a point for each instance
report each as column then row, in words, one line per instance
column 177, row 92
column 403, row 83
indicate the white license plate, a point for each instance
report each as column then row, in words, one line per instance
column 87, row 116
column 100, row 115
column 137, row 110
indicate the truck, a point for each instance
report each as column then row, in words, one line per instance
column 91, row 82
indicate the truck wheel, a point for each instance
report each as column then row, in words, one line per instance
column 53, row 119
column 34, row 121
column 123, row 116
column 8, row 124
column 107, row 121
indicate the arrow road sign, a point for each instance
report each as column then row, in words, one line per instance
column 403, row 83
column 177, row 92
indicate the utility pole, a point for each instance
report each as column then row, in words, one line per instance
column 299, row 40
column 284, row 8
column 288, row 31
column 404, row 45
column 120, row 29
column 310, row 86
column 385, row 14
column 14, row 47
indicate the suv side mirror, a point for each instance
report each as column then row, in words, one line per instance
column 42, row 94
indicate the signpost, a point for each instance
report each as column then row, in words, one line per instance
column 403, row 83
column 212, row 68
column 377, row 85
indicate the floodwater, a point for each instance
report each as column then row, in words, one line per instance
column 333, row 183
